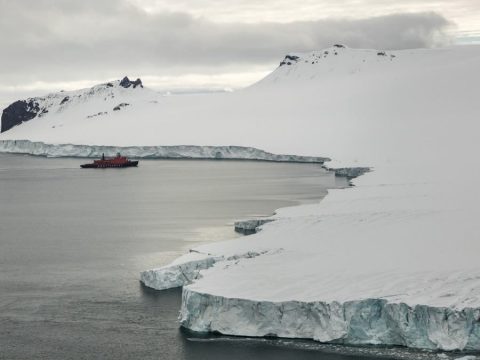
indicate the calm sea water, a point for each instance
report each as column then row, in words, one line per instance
column 73, row 241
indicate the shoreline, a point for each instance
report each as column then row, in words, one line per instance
column 202, row 313
column 173, row 152
column 177, row 152
column 189, row 268
column 325, row 322
column 363, row 321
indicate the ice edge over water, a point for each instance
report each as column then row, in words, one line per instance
column 176, row 275
column 186, row 269
column 371, row 321
column 360, row 322
column 151, row 152
column 368, row 321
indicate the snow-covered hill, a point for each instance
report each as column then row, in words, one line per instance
column 393, row 260
column 343, row 91
column 92, row 102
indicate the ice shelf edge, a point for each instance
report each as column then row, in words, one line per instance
column 152, row 152
column 359, row 322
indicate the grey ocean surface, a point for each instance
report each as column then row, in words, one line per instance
column 73, row 241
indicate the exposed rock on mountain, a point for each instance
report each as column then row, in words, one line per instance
column 18, row 112
column 24, row 110
column 126, row 83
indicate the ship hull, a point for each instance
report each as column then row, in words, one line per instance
column 104, row 166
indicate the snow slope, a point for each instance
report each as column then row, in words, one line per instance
column 321, row 109
column 393, row 260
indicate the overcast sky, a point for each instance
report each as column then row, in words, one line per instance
column 48, row 45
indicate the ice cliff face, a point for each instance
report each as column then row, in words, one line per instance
column 183, row 272
column 371, row 321
column 152, row 152
column 186, row 269
column 362, row 322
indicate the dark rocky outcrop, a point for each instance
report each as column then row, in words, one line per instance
column 126, row 83
column 289, row 59
column 18, row 112
column 101, row 113
column 119, row 106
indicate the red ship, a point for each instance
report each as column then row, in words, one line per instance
column 116, row 162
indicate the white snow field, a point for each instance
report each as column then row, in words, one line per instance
column 393, row 260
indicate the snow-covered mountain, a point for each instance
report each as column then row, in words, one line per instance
column 111, row 95
column 73, row 109
column 332, row 62
column 330, row 91
column 393, row 260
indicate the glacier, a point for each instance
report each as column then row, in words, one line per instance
column 359, row 322
column 152, row 152
column 392, row 260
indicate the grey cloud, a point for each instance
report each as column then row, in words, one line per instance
column 46, row 40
